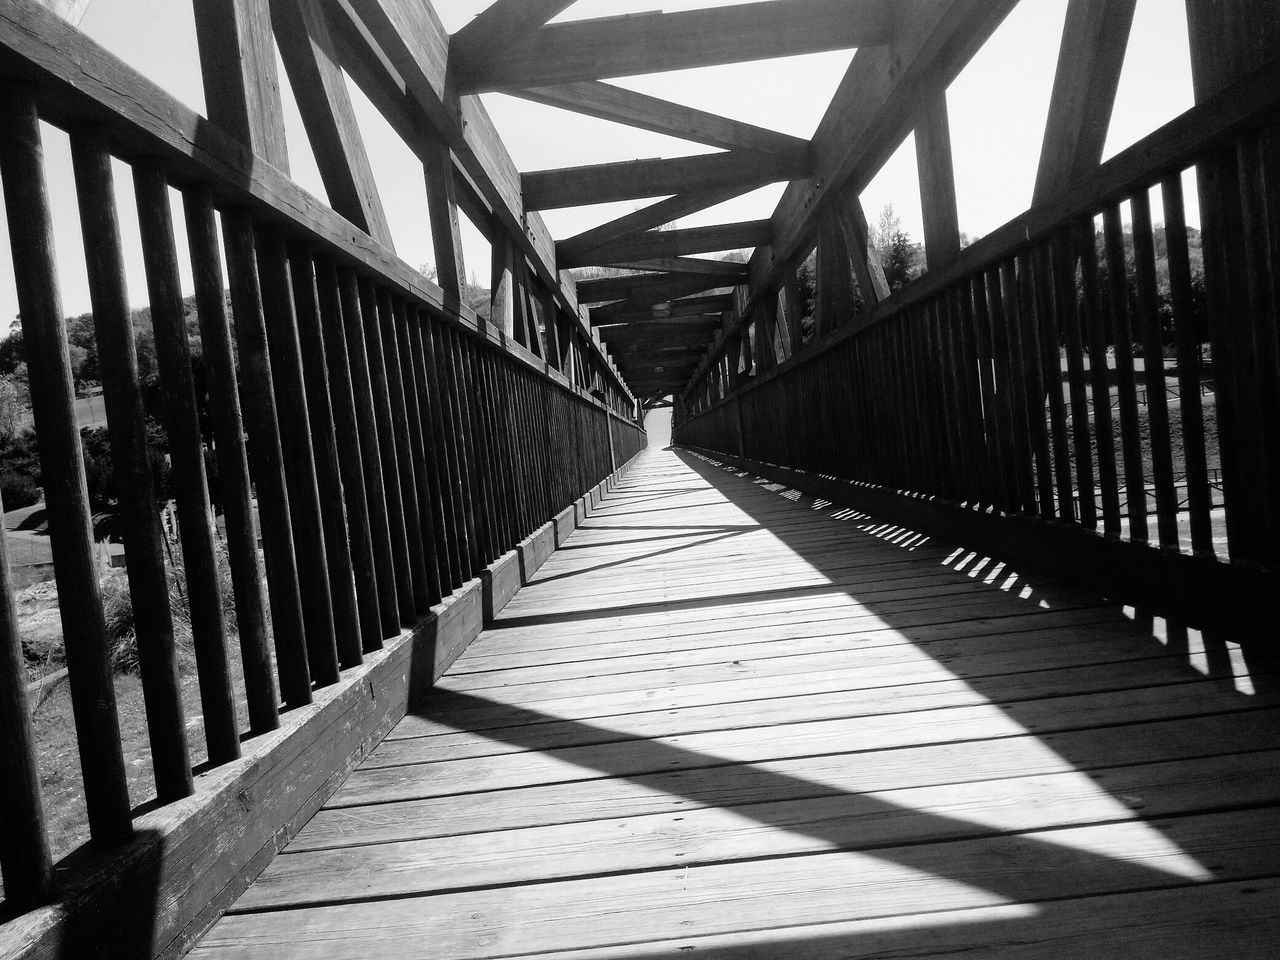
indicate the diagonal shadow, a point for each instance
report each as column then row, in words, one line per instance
column 863, row 822
column 635, row 558
column 1008, row 863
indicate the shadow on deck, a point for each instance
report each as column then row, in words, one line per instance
column 728, row 721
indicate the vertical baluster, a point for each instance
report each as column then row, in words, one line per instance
column 354, row 323
column 233, row 465
column 1186, row 338
column 350, row 467
column 1051, row 362
column 1099, row 380
column 445, row 454
column 994, row 427
column 397, row 462
column 93, row 698
column 324, row 446
column 447, row 356
column 1126, row 386
column 1068, row 310
column 1029, row 361
column 374, row 303
column 299, row 458
column 266, row 460
column 1144, row 256
column 415, row 450
column 448, row 438
column 186, row 453
column 480, row 444
column 970, row 390
column 439, row 500
column 497, row 450
column 1258, row 154
column 25, row 861
column 144, row 546
column 468, row 437
column 1234, row 370
column 952, row 410
column 1015, row 321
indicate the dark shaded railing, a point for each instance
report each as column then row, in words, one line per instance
column 390, row 447
column 951, row 393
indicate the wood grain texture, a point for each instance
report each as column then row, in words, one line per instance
column 606, row 101
column 636, row 179
column 794, row 715
column 656, row 42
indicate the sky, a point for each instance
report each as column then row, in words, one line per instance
column 997, row 110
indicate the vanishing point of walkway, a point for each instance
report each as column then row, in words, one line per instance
column 727, row 721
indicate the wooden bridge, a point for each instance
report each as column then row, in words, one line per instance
column 910, row 644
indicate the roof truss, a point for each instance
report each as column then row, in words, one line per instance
column 657, row 42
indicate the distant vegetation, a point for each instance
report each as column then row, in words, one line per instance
column 20, row 479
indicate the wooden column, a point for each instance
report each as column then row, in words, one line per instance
column 937, row 181
column 24, row 842
column 442, row 207
column 302, row 34
column 1094, row 40
column 503, row 296
column 1239, row 192
column 53, row 404
column 835, row 289
column 238, row 64
column 144, row 544
column 233, row 465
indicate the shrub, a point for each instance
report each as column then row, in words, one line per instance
column 18, row 490
column 118, row 610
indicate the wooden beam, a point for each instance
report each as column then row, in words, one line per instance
column 238, row 66
column 580, row 249
column 502, row 25
column 72, row 11
column 648, row 286
column 700, row 323
column 657, row 42
column 606, row 101
column 502, row 297
column 636, row 179
column 676, row 243
column 862, row 252
column 1094, row 40
column 724, row 269
column 302, row 36
column 442, row 207
column 873, row 109
column 700, row 309
column 937, row 180
column 397, row 50
column 835, row 290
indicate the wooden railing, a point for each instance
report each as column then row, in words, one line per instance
column 945, row 403
column 393, row 447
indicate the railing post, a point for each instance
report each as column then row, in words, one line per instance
column 53, row 403
column 25, row 861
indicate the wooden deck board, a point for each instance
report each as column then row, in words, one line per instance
column 728, row 721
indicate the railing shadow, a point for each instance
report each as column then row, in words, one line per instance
column 1024, row 875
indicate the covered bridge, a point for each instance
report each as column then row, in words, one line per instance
column 946, row 622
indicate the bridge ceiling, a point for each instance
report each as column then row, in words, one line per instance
column 661, row 294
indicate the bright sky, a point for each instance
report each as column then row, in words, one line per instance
column 997, row 105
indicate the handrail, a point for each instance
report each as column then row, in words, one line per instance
column 949, row 393
column 1176, row 145
column 80, row 84
column 392, row 447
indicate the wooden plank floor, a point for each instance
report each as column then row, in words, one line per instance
column 727, row 721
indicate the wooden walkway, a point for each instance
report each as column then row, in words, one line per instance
column 728, row 722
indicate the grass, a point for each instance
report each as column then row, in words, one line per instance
column 53, row 719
